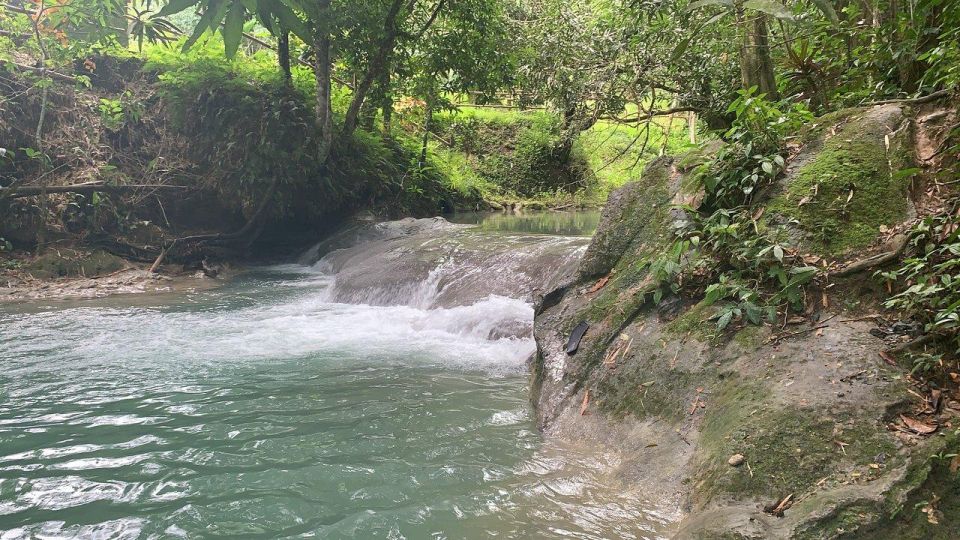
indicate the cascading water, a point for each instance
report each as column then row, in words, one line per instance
column 375, row 390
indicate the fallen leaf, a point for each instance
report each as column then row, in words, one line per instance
column 696, row 404
column 586, row 401
column 824, row 300
column 651, row 445
column 955, row 464
column 779, row 507
column 936, row 399
column 820, row 332
column 955, row 377
column 599, row 284
column 917, row 426
column 803, row 201
column 887, row 358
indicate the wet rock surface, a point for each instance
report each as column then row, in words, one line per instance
column 434, row 263
column 808, row 409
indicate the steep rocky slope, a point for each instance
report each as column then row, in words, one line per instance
column 811, row 408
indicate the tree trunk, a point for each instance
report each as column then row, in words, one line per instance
column 386, row 105
column 378, row 63
column 283, row 55
column 427, row 124
column 756, row 65
column 324, row 113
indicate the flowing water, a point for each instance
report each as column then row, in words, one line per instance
column 293, row 402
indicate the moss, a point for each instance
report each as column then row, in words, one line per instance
column 847, row 519
column 695, row 321
column 648, row 388
column 927, row 481
column 816, row 130
column 788, row 449
column 54, row 264
column 750, row 337
column 854, row 160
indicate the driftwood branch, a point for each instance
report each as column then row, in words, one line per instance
column 922, row 340
column 250, row 230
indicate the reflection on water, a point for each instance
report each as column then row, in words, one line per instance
column 265, row 410
column 582, row 223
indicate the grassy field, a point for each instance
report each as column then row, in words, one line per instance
column 615, row 153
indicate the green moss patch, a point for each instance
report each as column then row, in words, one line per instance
column 847, row 190
column 788, row 449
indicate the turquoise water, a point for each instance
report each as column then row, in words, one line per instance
column 264, row 410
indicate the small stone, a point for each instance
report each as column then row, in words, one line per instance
column 736, row 460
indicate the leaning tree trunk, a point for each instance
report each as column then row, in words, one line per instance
column 756, row 65
column 386, row 109
column 378, row 64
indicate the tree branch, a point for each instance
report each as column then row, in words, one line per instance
column 646, row 118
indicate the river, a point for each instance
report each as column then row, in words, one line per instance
column 301, row 401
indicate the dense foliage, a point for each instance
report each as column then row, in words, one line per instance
column 333, row 103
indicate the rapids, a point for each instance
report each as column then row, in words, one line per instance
column 375, row 389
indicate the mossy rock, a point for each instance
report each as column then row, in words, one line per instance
column 789, row 448
column 844, row 186
column 640, row 207
column 53, row 264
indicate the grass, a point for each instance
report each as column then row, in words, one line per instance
column 616, row 152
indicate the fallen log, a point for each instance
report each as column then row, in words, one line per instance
column 248, row 232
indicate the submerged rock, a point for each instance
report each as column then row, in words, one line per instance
column 811, row 410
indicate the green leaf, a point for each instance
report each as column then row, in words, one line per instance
column 175, row 6
column 778, row 253
column 233, row 28
column 290, row 21
column 210, row 19
column 904, row 173
column 704, row 3
column 770, row 7
column 826, row 7
column 724, row 320
column 767, row 167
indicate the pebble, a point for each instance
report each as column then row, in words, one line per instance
column 736, row 460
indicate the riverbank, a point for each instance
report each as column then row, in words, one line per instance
column 376, row 388
column 18, row 285
column 818, row 422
